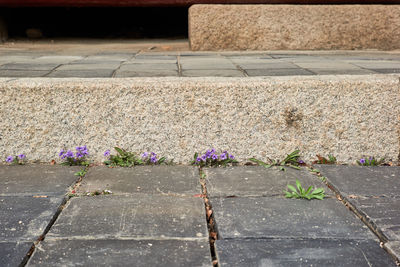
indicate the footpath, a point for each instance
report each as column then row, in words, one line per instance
column 179, row 216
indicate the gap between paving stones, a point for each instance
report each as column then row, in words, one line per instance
column 50, row 224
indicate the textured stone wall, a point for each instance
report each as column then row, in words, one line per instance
column 348, row 116
column 294, row 27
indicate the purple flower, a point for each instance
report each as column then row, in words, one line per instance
column 61, row 152
column 231, row 156
column 214, row 156
column 362, row 161
column 198, row 159
column 371, row 158
column 21, row 156
column 78, row 155
column 69, row 154
column 223, row 156
column 301, row 162
column 145, row 155
column 153, row 159
column 153, row 154
column 107, row 153
column 10, row 159
column 212, row 150
column 208, row 154
column 204, row 157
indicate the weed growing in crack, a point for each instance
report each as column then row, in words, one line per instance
column 292, row 160
column 81, row 173
column 322, row 160
column 213, row 159
column 371, row 161
column 300, row 192
column 16, row 160
column 79, row 158
column 129, row 159
column 97, row 192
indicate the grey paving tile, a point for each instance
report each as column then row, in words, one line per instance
column 122, row 253
column 89, row 67
column 393, row 247
column 137, row 216
column 23, row 73
column 24, row 66
column 264, row 217
column 147, row 67
column 256, row 181
column 277, row 72
column 94, row 73
column 327, row 65
column 207, row 66
column 144, row 179
column 146, row 73
column 212, row 73
column 26, row 218
column 32, row 180
column 376, row 64
column 384, row 212
column 59, row 59
column 364, row 181
column 268, row 66
column 12, row 253
column 145, row 57
column 341, row 71
column 315, row 252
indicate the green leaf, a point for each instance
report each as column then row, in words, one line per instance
column 294, row 167
column 298, row 184
column 308, row 190
column 119, row 150
column 161, row 160
column 291, row 187
column 195, row 156
column 318, row 191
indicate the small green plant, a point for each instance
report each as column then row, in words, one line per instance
column 17, row 160
column 129, row 159
column 291, row 160
column 371, row 161
column 81, row 173
column 98, row 192
column 213, row 159
column 300, row 192
column 322, row 160
column 77, row 159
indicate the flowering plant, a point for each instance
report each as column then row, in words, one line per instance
column 77, row 159
column 212, row 158
column 371, row 161
column 16, row 160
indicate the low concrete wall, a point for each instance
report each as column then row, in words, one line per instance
column 294, row 27
column 348, row 116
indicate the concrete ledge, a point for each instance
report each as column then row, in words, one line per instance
column 294, row 27
column 348, row 116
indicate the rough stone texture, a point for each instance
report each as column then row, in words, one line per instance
column 364, row 181
column 26, row 218
column 134, row 217
column 143, row 179
column 294, row 27
column 122, row 253
column 36, row 180
column 314, row 252
column 393, row 247
column 256, row 181
column 347, row 116
column 286, row 218
column 12, row 253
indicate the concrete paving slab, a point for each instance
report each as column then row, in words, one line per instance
column 325, row 64
column 122, row 253
column 256, row 181
column 212, row 73
column 278, row 72
column 26, row 218
column 376, row 64
column 384, row 212
column 147, row 66
column 268, row 66
column 12, row 253
column 25, row 66
column 341, row 71
column 103, row 66
column 298, row 252
column 208, row 66
column 58, row 58
column 261, row 217
column 138, row 216
column 94, row 73
column 32, row 180
column 153, row 60
column 362, row 180
column 182, row 180
column 146, row 73
column 387, row 70
column 23, row 73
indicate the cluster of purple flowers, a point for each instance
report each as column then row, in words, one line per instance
column 212, row 158
column 78, row 158
column 17, row 159
column 371, row 161
column 149, row 157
